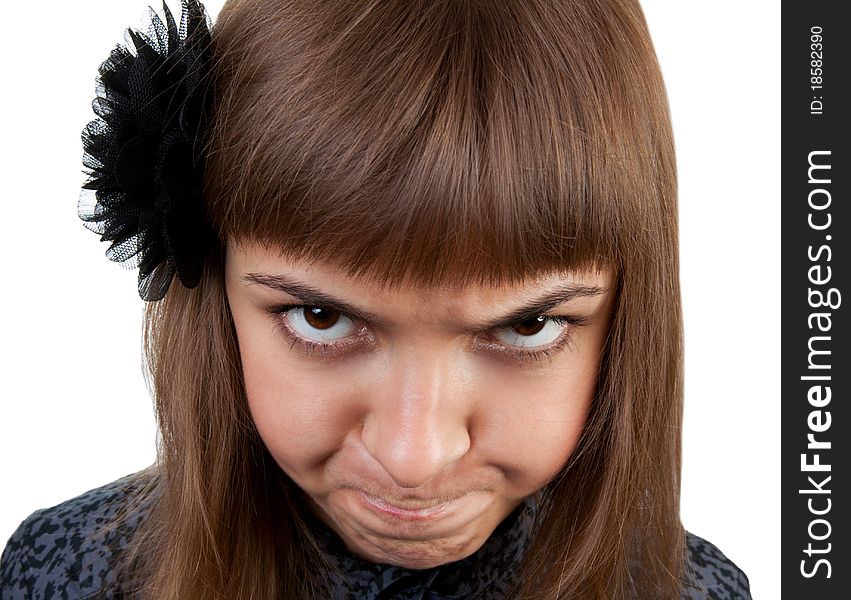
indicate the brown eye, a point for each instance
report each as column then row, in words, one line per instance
column 530, row 326
column 320, row 318
column 319, row 324
column 533, row 333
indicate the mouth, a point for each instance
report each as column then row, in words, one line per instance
column 407, row 509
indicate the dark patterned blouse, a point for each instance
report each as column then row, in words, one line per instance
column 61, row 552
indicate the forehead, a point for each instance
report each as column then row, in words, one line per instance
column 254, row 260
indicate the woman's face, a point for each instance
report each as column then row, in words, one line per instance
column 415, row 420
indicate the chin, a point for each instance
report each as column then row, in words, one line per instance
column 421, row 555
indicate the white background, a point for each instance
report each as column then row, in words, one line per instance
column 75, row 410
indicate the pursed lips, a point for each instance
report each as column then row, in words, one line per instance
column 408, row 507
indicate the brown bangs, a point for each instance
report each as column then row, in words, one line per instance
column 525, row 140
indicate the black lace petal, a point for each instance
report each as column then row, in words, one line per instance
column 143, row 154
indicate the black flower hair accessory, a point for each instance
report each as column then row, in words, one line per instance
column 143, row 155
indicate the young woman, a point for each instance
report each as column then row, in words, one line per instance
column 424, row 339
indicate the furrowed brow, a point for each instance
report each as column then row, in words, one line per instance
column 310, row 295
column 550, row 300
column 315, row 297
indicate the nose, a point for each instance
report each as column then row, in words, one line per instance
column 417, row 424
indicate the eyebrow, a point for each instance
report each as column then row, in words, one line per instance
column 315, row 297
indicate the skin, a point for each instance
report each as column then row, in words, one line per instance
column 419, row 432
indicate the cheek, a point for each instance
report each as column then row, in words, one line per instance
column 296, row 410
column 535, row 423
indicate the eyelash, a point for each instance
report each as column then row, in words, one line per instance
column 310, row 347
column 547, row 352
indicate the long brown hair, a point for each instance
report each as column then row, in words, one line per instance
column 429, row 142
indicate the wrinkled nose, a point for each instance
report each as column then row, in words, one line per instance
column 417, row 424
